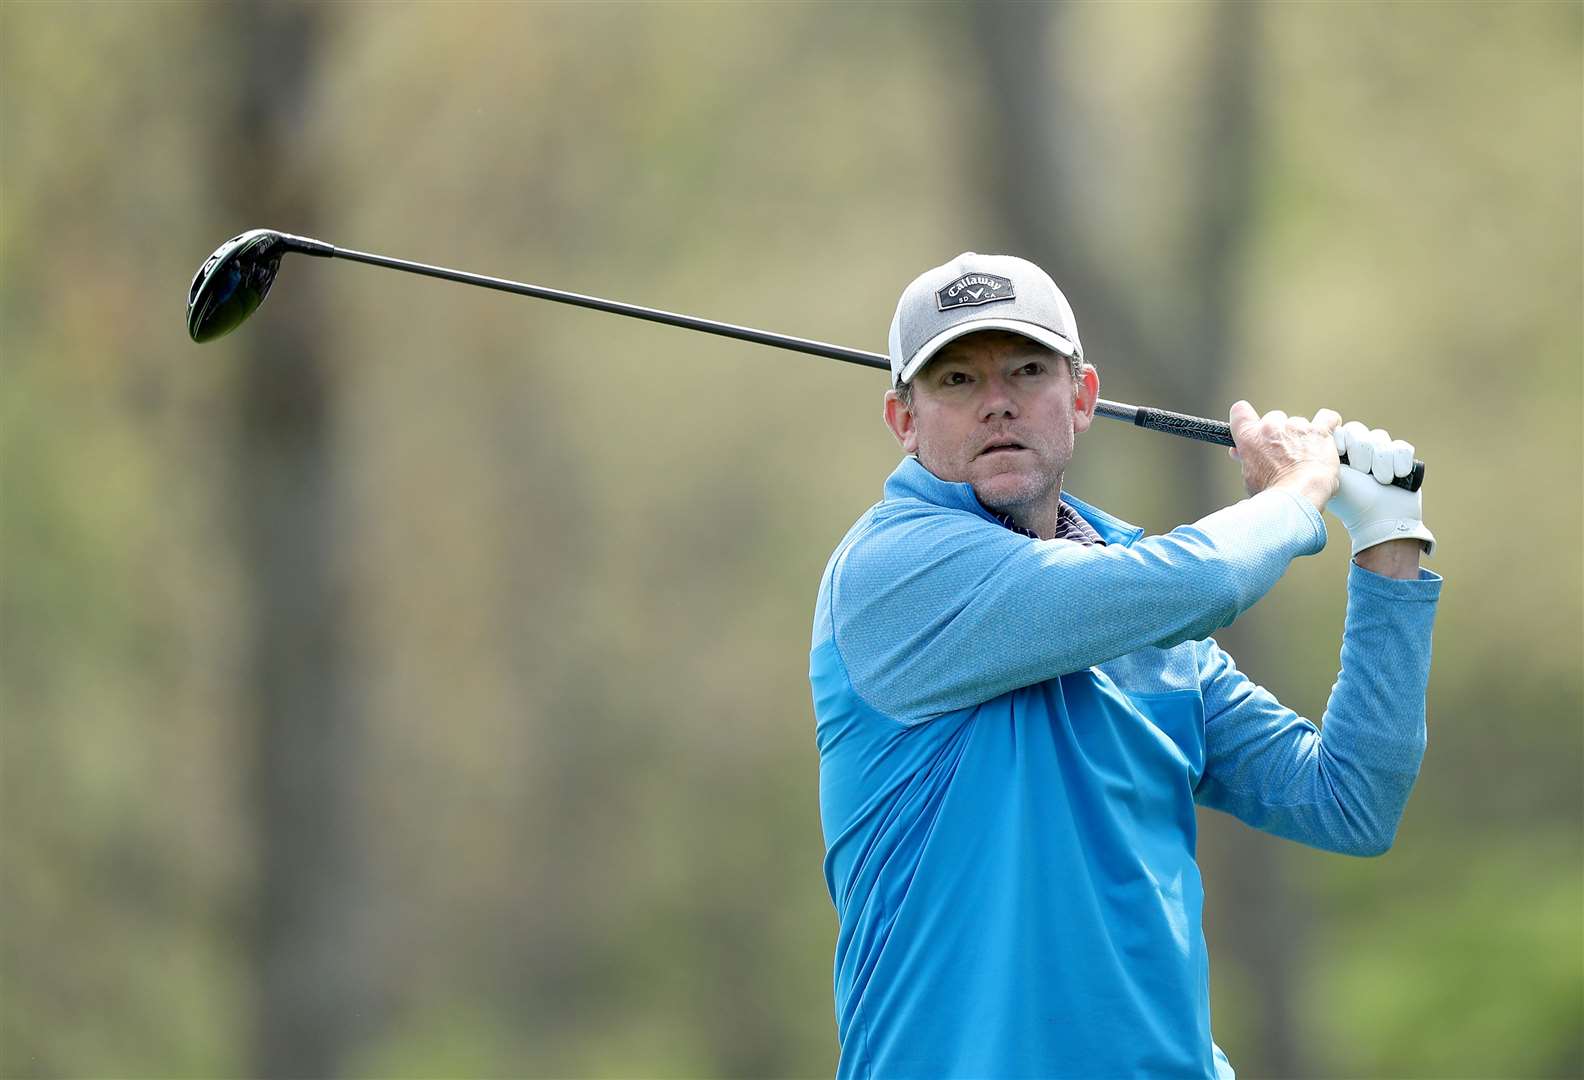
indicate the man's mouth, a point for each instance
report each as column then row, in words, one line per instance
column 1001, row 446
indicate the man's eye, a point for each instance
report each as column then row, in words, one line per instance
column 954, row 378
column 1033, row 367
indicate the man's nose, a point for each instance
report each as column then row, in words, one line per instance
column 997, row 402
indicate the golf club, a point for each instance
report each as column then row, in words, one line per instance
column 232, row 283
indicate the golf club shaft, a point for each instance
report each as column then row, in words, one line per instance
column 1198, row 428
column 615, row 307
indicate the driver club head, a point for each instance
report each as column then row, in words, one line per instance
column 233, row 282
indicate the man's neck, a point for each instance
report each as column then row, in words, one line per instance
column 1039, row 519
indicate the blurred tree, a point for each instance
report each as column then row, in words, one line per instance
column 315, row 976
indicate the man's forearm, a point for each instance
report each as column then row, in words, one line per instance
column 1394, row 559
column 1027, row 611
column 1343, row 789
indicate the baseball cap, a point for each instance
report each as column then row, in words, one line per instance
column 978, row 292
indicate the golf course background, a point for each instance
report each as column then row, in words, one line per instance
column 413, row 683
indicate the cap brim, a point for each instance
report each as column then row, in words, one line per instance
column 1029, row 330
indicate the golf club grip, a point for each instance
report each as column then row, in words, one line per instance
column 1215, row 431
column 1181, row 424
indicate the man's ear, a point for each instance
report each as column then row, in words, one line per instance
column 899, row 418
column 1086, row 392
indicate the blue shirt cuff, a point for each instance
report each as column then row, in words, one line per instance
column 1425, row 589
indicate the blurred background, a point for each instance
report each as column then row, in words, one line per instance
column 413, row 683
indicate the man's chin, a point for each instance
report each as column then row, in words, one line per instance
column 1006, row 493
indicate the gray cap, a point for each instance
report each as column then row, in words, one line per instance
column 978, row 292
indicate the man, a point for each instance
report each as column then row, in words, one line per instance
column 1018, row 704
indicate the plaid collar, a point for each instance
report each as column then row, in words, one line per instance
column 1069, row 526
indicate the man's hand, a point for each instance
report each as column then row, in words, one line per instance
column 1285, row 452
column 1374, row 511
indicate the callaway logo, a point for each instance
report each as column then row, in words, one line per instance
column 974, row 289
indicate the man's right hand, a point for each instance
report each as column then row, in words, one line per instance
column 1291, row 453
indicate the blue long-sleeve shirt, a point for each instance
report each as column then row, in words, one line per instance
column 1013, row 734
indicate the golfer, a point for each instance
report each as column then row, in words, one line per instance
column 1019, row 704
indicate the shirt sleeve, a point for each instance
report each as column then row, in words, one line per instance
column 1343, row 786
column 938, row 609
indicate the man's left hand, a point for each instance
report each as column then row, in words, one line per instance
column 1373, row 510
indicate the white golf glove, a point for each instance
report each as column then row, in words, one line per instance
column 1368, row 504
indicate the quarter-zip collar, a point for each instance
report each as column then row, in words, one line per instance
column 911, row 480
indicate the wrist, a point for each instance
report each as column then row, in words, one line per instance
column 1316, row 488
column 1393, row 559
